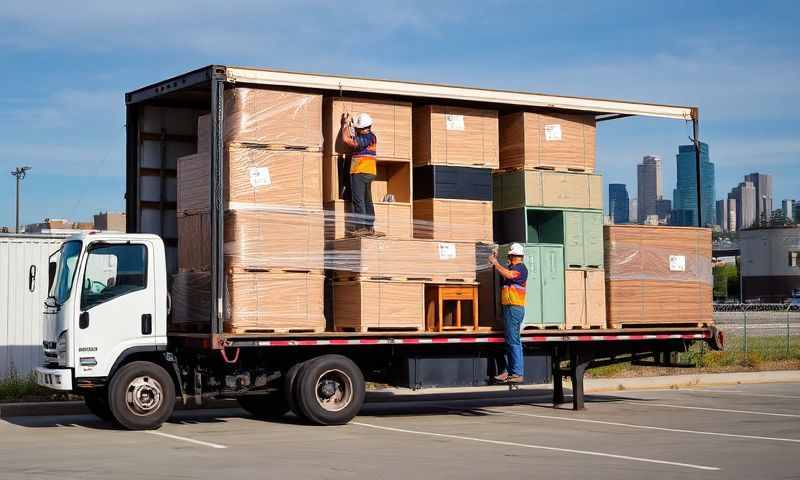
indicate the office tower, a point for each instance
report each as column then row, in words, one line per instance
column 618, row 203
column 685, row 194
column 731, row 215
column 648, row 182
column 633, row 211
column 763, row 184
column 744, row 195
column 664, row 210
column 788, row 209
column 722, row 214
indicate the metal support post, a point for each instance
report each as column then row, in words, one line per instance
column 558, row 379
column 579, row 361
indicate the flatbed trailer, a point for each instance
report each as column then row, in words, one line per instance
column 132, row 374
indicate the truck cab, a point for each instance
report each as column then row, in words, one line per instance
column 107, row 306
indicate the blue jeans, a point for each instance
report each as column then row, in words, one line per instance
column 361, row 196
column 512, row 318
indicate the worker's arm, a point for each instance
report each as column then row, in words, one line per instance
column 506, row 273
column 347, row 132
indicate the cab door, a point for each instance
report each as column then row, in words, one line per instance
column 117, row 305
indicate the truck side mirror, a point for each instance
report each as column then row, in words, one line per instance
column 51, row 275
column 32, row 279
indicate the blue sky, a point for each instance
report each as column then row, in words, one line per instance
column 66, row 70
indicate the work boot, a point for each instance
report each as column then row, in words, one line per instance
column 358, row 232
column 514, row 379
column 502, row 378
column 374, row 233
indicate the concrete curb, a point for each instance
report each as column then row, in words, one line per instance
column 591, row 385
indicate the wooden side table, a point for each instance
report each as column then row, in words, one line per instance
column 437, row 295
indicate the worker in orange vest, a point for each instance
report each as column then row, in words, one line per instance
column 357, row 134
column 514, row 280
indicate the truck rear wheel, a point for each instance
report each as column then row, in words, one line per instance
column 330, row 390
column 271, row 405
column 97, row 403
column 141, row 396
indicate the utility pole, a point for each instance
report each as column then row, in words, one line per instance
column 20, row 173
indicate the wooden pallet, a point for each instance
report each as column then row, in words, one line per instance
column 547, row 168
column 254, row 269
column 541, row 327
column 253, row 331
column 624, row 325
column 587, row 327
column 277, row 146
column 382, row 329
column 351, row 277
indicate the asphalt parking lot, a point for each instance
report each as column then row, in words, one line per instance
column 742, row 431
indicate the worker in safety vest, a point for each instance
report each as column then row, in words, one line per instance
column 357, row 134
column 515, row 278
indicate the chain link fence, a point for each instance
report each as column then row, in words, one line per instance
column 758, row 332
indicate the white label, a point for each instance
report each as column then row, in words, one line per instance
column 447, row 251
column 454, row 122
column 552, row 132
column 677, row 263
column 259, row 177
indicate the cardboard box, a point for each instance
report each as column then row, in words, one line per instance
column 363, row 306
column 253, row 175
column 257, row 302
column 658, row 275
column 392, row 219
column 445, row 135
column 555, row 141
column 585, row 298
column 412, row 260
column 279, row 118
column 447, row 220
column 536, row 188
column 391, row 124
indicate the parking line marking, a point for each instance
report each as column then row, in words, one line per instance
column 748, row 394
column 538, row 447
column 190, row 440
column 723, row 410
column 649, row 427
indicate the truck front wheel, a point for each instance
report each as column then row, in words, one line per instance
column 330, row 390
column 141, row 396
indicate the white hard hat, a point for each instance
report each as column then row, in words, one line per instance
column 516, row 249
column 362, row 120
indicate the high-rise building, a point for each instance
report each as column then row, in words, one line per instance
column 763, row 184
column 664, row 210
column 788, row 210
column 618, row 203
column 648, row 182
column 744, row 195
column 633, row 211
column 722, row 214
column 685, row 195
column 731, row 215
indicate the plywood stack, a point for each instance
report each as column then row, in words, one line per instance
column 373, row 306
column 391, row 189
column 658, row 275
column 550, row 141
column 274, row 222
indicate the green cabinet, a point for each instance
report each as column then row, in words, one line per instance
column 544, row 299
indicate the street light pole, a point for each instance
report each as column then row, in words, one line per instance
column 20, row 173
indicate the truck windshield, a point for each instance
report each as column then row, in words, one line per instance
column 62, row 286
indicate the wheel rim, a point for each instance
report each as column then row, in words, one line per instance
column 334, row 390
column 144, row 395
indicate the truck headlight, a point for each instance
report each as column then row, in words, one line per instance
column 61, row 348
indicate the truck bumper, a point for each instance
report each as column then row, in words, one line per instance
column 55, row 378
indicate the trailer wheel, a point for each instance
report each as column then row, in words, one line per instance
column 97, row 403
column 290, row 388
column 271, row 405
column 141, row 396
column 330, row 390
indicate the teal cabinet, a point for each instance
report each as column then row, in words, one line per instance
column 544, row 299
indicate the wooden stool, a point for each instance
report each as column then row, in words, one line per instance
column 438, row 294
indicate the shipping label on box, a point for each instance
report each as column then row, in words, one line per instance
column 454, row 122
column 447, row 251
column 677, row 263
column 552, row 132
column 259, row 177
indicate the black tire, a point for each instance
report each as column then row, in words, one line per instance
column 97, row 403
column 290, row 388
column 152, row 398
column 271, row 405
column 330, row 390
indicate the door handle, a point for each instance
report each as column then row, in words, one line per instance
column 147, row 324
column 83, row 320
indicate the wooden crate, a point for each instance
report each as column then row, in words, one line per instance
column 393, row 219
column 279, row 118
column 362, row 306
column 391, row 124
column 537, row 188
column 445, row 219
column 658, row 275
column 585, row 296
column 253, row 175
column 258, row 302
column 554, row 141
column 408, row 260
column 446, row 135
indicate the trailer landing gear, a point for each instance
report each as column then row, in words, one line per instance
column 578, row 362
